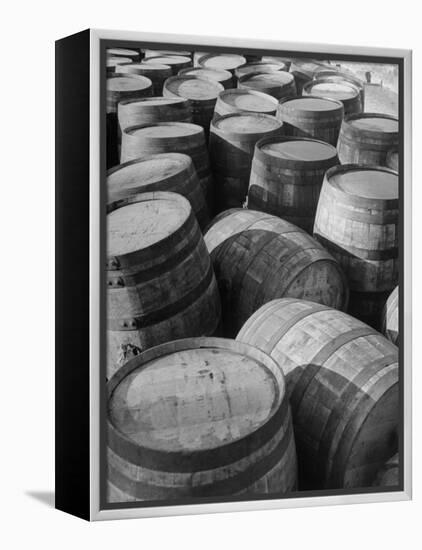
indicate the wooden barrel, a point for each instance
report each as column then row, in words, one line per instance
column 175, row 62
column 225, row 61
column 278, row 84
column 154, row 53
column 202, row 94
column 343, row 91
column 151, row 110
column 367, row 138
column 389, row 475
column 115, row 62
column 287, row 175
column 163, row 172
column 156, row 72
column 392, row 160
column 258, row 257
column 275, row 59
column 160, row 281
column 132, row 54
column 232, row 143
column 199, row 417
column 197, row 56
column 342, row 381
column 225, row 78
column 312, row 117
column 121, row 86
column 259, row 67
column 171, row 137
column 339, row 76
column 357, row 221
column 390, row 317
column 236, row 101
column 303, row 71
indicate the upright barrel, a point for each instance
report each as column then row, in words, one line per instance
column 278, row 84
column 343, row 383
column 151, row 110
column 160, row 281
column 154, row 53
column 202, row 94
column 236, row 100
column 163, row 172
column 389, row 474
column 287, row 175
column 171, row 137
column 303, row 71
column 232, row 142
column 225, row 78
column 226, row 61
column 392, row 160
column 258, row 257
column 113, row 63
column 343, row 91
column 199, row 417
column 156, row 72
column 339, row 76
column 133, row 54
column 312, row 117
column 276, row 59
column 390, row 317
column 367, row 138
column 260, row 67
column 175, row 62
column 357, row 221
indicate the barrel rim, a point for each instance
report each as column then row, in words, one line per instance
column 196, row 129
column 366, row 132
column 130, row 50
column 185, row 78
column 248, row 76
column 307, row 113
column 165, row 100
column 219, row 54
column 145, row 158
column 222, row 72
column 233, row 134
column 247, row 91
column 180, row 58
column 317, row 81
column 150, row 66
column 238, row 70
column 340, row 75
column 140, row 77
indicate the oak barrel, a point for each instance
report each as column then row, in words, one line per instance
column 175, row 62
column 232, row 143
column 115, row 62
column 343, row 91
column 278, row 84
column 339, row 76
column 286, row 177
column 303, row 71
column 201, row 92
column 199, row 417
column 163, row 172
column 343, row 384
column 226, row 61
column 357, row 221
column 236, row 100
column 259, row 67
column 390, row 317
column 154, row 53
column 311, row 116
column 132, row 54
column 258, row 257
column 171, row 137
column 225, row 78
column 392, row 160
column 160, row 281
column 276, row 59
column 389, row 474
column 367, row 138
column 197, row 56
column 156, row 72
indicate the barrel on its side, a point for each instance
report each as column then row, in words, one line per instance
column 238, row 100
column 312, row 117
column 160, row 280
column 163, row 172
column 389, row 474
column 157, row 73
column 212, row 419
column 232, row 142
column 287, row 175
column 390, row 317
column 278, row 84
column 343, row 384
column 258, row 257
column 343, row 91
column 367, row 138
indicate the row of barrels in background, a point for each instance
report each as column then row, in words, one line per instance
column 255, row 274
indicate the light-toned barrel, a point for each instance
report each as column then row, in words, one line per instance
column 258, row 257
column 357, row 221
column 202, row 94
column 259, row 67
column 197, row 56
column 151, row 110
column 340, row 76
column 392, row 160
column 286, row 177
column 175, row 62
column 343, row 91
column 390, row 317
column 278, row 84
column 343, row 384
column 160, row 281
column 275, row 59
column 199, row 417
column 163, row 172
column 389, row 474
column 225, row 78
column 367, row 138
column 115, row 62
column 225, row 61
column 154, row 53
column 312, row 117
column 171, row 137
column 156, row 72
column 232, row 143
column 132, row 54
column 236, row 100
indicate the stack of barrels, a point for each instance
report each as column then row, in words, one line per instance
column 252, row 277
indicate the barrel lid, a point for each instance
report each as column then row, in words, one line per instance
column 125, row 52
column 114, row 60
column 165, row 129
column 168, row 59
column 143, row 221
column 147, row 66
column 311, row 104
column 194, row 395
column 155, row 53
column 192, row 87
column 375, row 123
column 153, row 101
column 227, row 61
column 340, row 90
column 275, row 78
column 220, row 75
column 366, row 182
column 247, row 123
column 308, row 150
column 249, row 100
column 261, row 67
column 127, row 83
